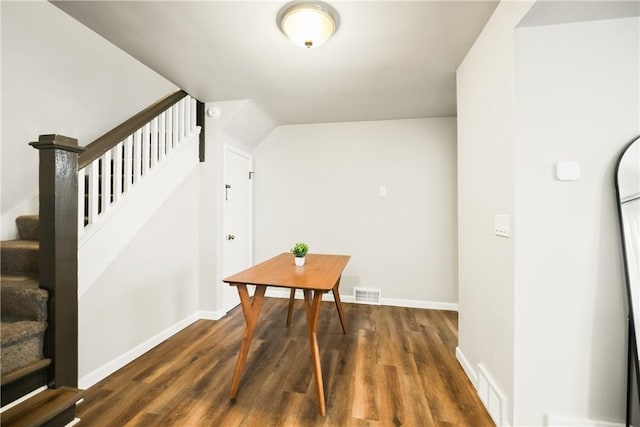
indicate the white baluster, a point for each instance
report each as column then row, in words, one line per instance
column 194, row 114
column 137, row 156
column 106, row 182
column 154, row 143
column 187, row 116
column 93, row 194
column 117, row 171
column 146, row 134
column 81, row 199
column 181, row 120
column 176, row 140
column 128, row 163
column 169, row 117
column 162, row 147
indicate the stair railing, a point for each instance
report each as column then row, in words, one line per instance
column 114, row 164
column 78, row 187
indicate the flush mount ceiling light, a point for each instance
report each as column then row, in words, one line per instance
column 308, row 24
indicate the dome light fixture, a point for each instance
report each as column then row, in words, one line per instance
column 308, row 24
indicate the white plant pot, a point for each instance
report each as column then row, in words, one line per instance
column 299, row 261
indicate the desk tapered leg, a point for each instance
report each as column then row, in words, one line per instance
column 251, row 310
column 312, row 305
column 292, row 297
column 336, row 297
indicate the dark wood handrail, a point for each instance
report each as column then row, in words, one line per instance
column 116, row 135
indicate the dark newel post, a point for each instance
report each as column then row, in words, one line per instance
column 200, row 122
column 59, row 253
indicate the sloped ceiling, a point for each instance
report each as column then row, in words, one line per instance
column 388, row 59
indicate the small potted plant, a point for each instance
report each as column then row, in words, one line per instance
column 299, row 251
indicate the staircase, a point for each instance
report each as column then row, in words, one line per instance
column 23, row 311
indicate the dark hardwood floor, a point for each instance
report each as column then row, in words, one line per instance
column 395, row 367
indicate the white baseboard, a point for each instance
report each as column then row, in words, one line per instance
column 107, row 369
column 490, row 395
column 430, row 305
column 211, row 315
column 559, row 421
column 466, row 367
column 549, row 420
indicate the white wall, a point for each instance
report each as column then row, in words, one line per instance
column 577, row 98
column 320, row 184
column 543, row 311
column 151, row 287
column 59, row 77
column 485, row 87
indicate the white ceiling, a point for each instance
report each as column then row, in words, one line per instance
column 388, row 59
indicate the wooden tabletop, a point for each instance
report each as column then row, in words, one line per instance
column 320, row 272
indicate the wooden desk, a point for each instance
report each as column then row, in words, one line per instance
column 320, row 274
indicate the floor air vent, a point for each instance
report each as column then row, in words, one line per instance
column 366, row 296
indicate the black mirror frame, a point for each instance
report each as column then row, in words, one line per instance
column 633, row 362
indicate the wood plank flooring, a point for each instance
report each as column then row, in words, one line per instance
column 395, row 367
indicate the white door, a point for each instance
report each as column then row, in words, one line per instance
column 238, row 204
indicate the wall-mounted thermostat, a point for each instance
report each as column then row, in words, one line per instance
column 567, row 170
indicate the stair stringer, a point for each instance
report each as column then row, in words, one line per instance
column 99, row 246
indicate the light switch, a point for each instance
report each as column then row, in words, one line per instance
column 383, row 191
column 501, row 225
column 568, row 170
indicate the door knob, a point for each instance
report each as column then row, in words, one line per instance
column 230, row 237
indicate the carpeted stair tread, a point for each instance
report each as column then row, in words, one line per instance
column 28, row 227
column 19, row 256
column 21, row 344
column 16, row 331
column 23, row 315
column 17, row 279
column 23, row 302
column 22, row 372
column 41, row 408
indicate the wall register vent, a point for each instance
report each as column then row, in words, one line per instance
column 366, row 296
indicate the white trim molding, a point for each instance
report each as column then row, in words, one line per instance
column 211, row 315
column 429, row 305
column 560, row 421
column 108, row 368
column 466, row 367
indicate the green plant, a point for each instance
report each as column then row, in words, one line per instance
column 300, row 249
